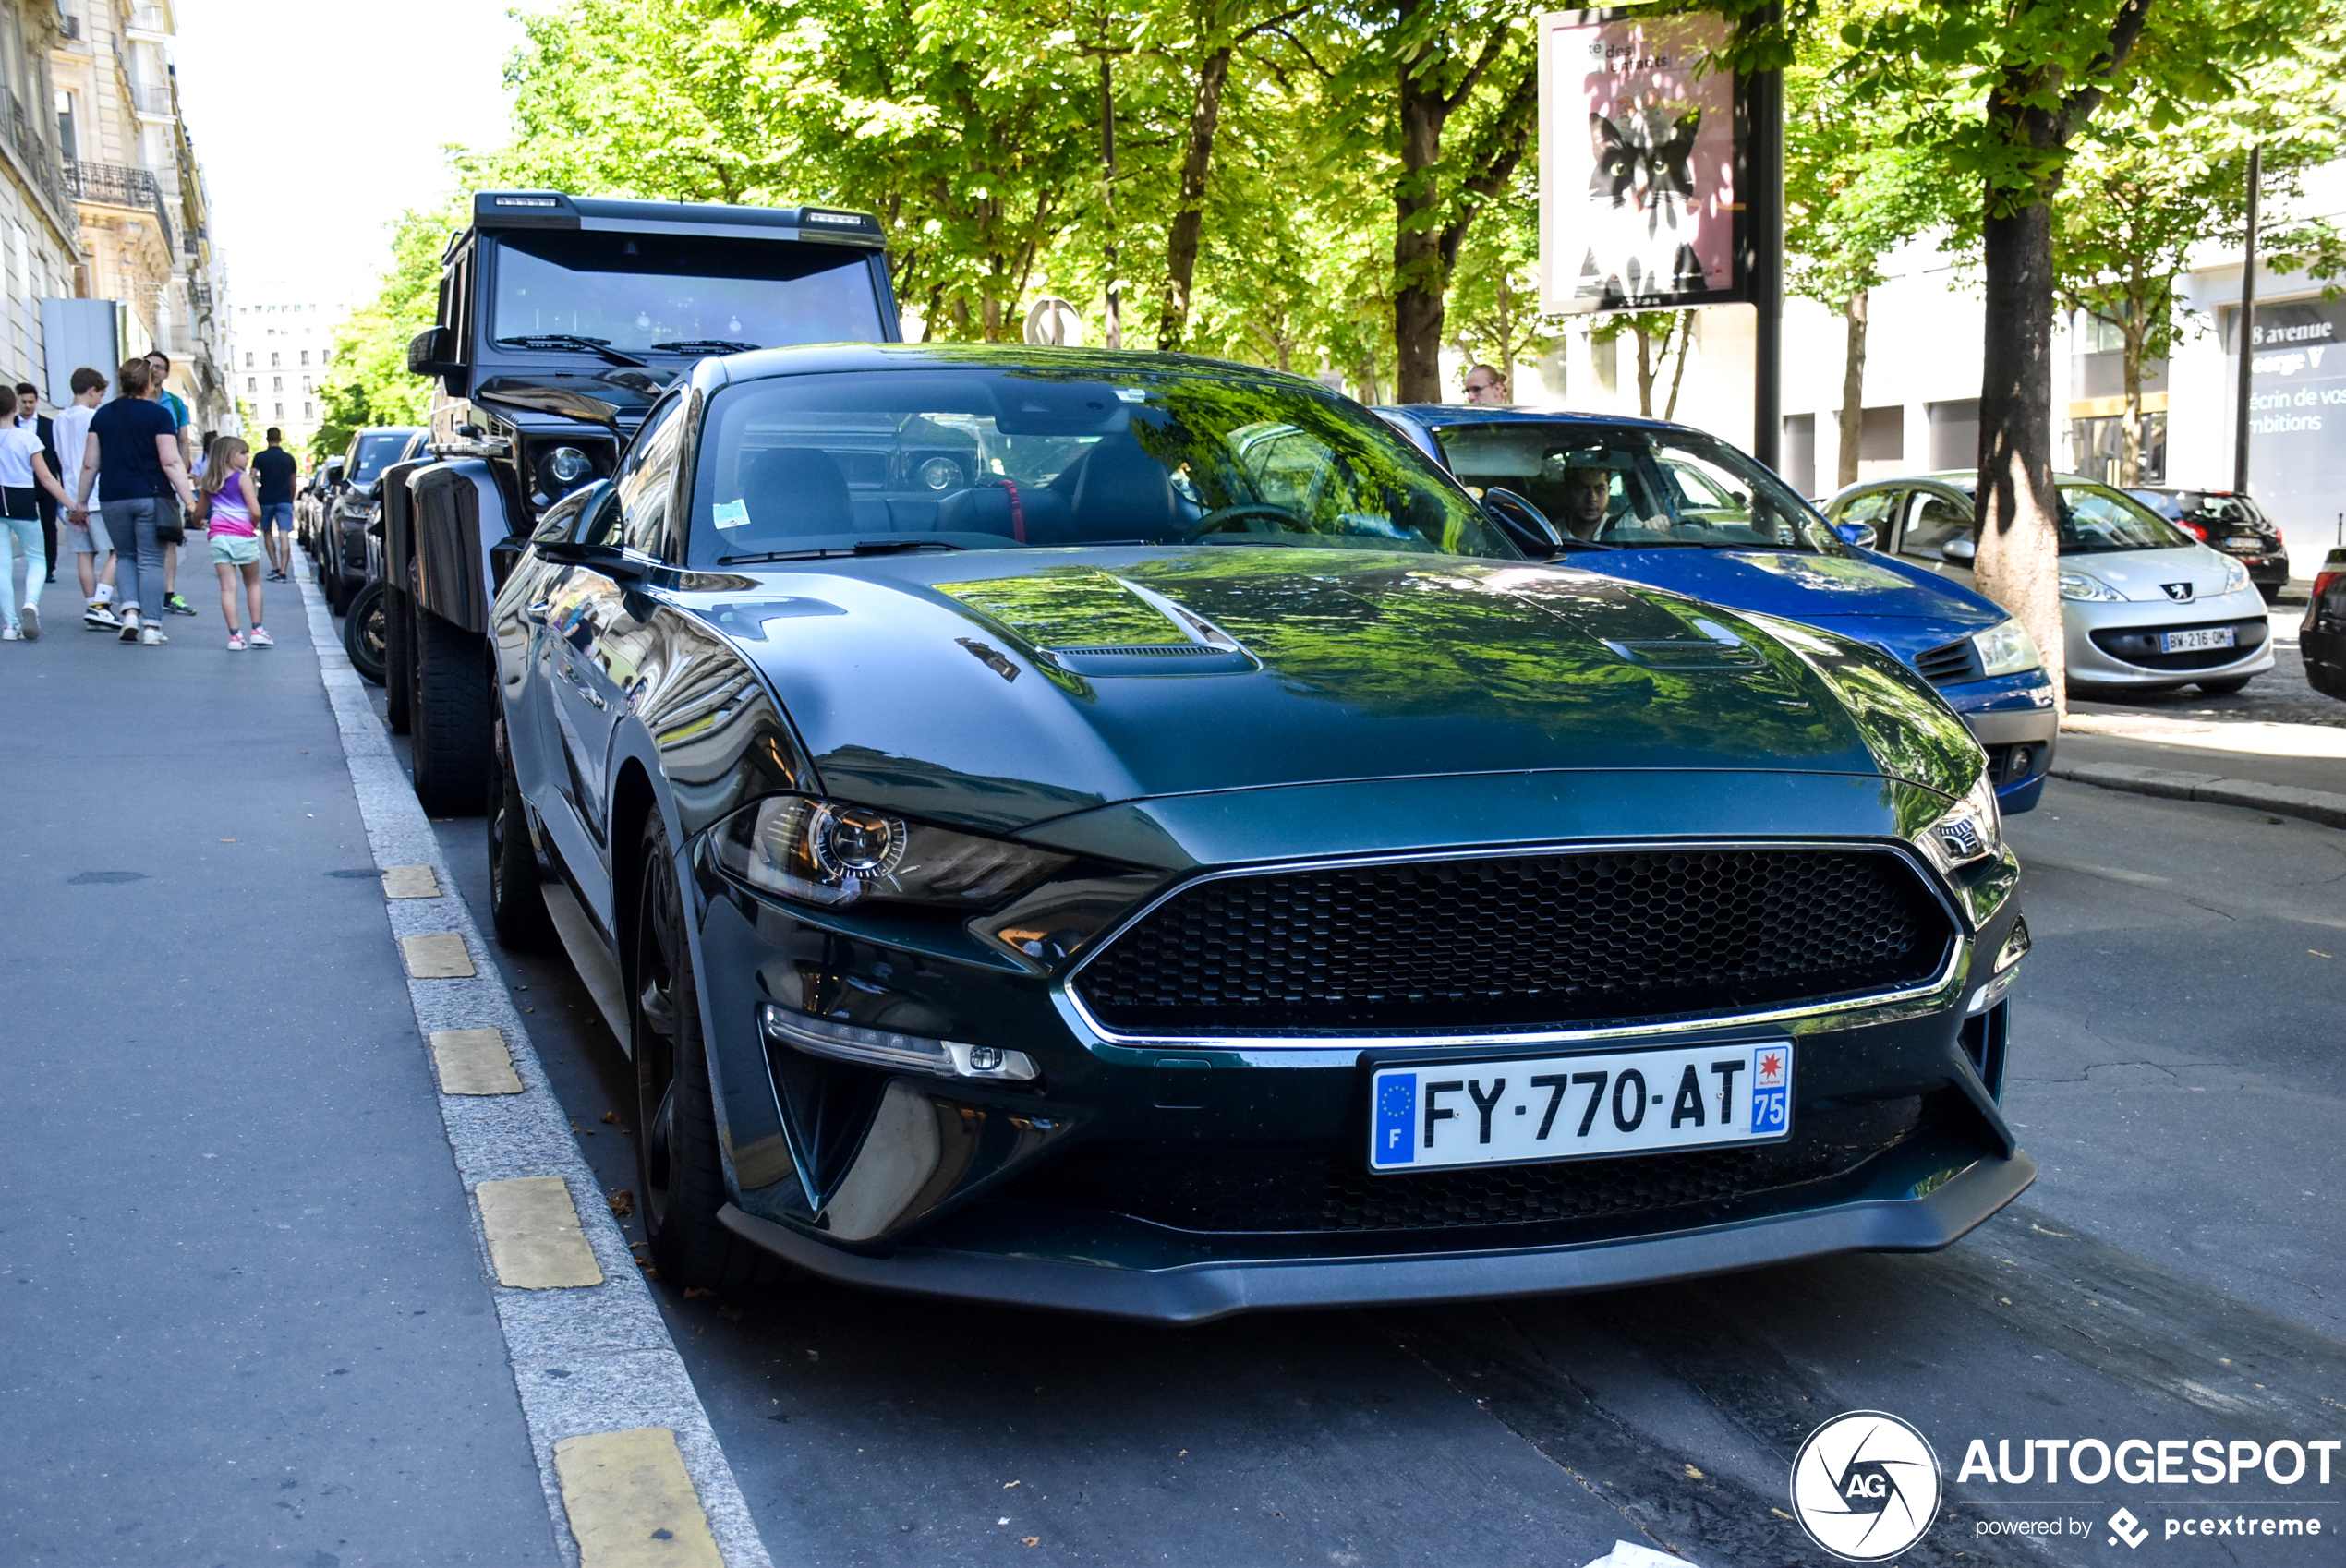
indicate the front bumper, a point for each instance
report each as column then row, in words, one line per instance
column 1177, row 1178
column 1922, row 1198
column 2105, row 641
column 2014, row 722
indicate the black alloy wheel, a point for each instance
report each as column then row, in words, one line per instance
column 679, row 1181
column 363, row 633
column 516, row 905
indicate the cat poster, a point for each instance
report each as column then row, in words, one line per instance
column 1637, row 198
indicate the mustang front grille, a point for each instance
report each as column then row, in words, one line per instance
column 1518, row 942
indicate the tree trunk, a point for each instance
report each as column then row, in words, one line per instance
column 1678, row 374
column 1853, row 390
column 2019, row 544
column 2129, row 450
column 1181, row 241
column 1417, row 241
column 1645, row 368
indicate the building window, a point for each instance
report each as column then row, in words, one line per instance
column 275, row 359
column 281, row 411
column 252, row 383
column 309, row 411
column 304, row 356
column 276, row 383
column 247, row 359
column 306, row 384
column 67, row 141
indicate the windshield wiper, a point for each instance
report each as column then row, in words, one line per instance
column 706, row 346
column 570, row 340
column 863, row 547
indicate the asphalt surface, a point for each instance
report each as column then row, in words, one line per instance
column 243, row 1318
column 2177, row 1274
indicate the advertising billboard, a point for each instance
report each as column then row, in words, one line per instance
column 1638, row 171
column 2296, row 412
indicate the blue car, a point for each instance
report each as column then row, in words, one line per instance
column 1675, row 507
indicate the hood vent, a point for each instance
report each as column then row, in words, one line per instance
column 1058, row 617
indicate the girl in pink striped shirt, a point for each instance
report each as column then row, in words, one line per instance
column 231, row 506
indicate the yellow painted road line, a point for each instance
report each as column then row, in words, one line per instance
column 410, row 881
column 441, row 956
column 534, row 1240
column 474, row 1061
column 630, row 1502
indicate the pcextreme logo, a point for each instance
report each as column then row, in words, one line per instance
column 1865, row 1486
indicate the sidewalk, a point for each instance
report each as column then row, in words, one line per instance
column 246, row 1315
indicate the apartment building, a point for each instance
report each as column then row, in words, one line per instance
column 41, row 242
column 279, row 341
column 137, row 192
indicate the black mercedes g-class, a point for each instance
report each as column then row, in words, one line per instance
column 562, row 319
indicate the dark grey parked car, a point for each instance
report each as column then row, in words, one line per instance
column 342, row 556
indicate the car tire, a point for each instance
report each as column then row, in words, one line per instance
column 449, row 739
column 362, row 634
column 680, row 1174
column 516, row 905
column 2270, row 592
column 2327, row 681
column 399, row 660
column 2222, row 688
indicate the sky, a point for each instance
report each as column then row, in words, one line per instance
column 318, row 122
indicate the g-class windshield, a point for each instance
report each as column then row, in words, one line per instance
column 681, row 294
column 978, row 457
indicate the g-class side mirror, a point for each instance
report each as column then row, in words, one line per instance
column 1522, row 522
column 432, row 351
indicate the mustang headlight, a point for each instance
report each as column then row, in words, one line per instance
column 831, row 853
column 2006, row 648
column 2078, row 585
column 1972, row 829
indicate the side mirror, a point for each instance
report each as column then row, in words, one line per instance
column 1859, row 533
column 1522, row 522
column 1959, row 550
column 432, row 351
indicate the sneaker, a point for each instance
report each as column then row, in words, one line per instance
column 131, row 627
column 235, row 643
column 275, row 577
column 173, row 604
column 98, row 617
column 32, row 620
column 153, row 637
column 10, row 634
column 260, row 638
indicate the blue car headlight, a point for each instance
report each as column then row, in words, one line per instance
column 831, row 853
column 2006, row 648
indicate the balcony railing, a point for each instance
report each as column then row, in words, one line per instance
column 149, row 98
column 23, row 136
column 117, row 185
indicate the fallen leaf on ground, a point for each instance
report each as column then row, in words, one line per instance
column 1030, row 1541
column 611, row 1117
column 731, row 1314
column 691, row 1291
column 622, row 1202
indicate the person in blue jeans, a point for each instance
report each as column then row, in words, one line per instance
column 24, row 475
column 134, row 449
column 159, row 366
column 272, row 469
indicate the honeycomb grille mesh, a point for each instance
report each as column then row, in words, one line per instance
column 1518, row 942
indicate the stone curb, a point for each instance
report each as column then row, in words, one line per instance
column 2325, row 806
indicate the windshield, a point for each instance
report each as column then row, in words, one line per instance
column 643, row 292
column 1636, row 487
column 377, row 450
column 2095, row 520
column 994, row 457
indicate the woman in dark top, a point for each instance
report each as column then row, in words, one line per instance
column 134, row 452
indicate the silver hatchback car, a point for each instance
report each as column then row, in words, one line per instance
column 2144, row 604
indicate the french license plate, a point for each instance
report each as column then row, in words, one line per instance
column 2204, row 637
column 1428, row 1115
column 2244, row 541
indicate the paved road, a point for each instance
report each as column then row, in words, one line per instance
column 242, row 1319
column 2178, row 1272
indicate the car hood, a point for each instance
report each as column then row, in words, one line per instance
column 2143, row 574
column 1799, row 586
column 1002, row 689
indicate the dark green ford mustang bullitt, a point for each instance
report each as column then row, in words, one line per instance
column 1125, row 833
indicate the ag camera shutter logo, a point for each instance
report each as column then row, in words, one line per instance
column 1866, row 1486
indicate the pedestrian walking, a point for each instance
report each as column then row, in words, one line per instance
column 274, row 469
column 159, row 366
column 23, row 475
column 93, row 550
column 135, row 453
column 232, row 520
column 28, row 414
